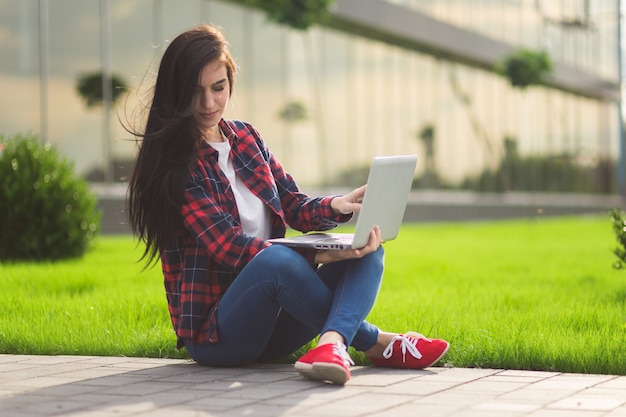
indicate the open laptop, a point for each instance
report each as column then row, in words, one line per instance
column 388, row 186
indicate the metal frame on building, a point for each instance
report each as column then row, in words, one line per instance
column 384, row 21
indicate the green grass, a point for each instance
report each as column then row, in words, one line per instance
column 526, row 294
column 102, row 304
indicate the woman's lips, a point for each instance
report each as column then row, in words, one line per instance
column 211, row 115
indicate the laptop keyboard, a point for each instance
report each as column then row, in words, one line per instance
column 343, row 238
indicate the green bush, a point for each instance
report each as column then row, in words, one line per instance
column 524, row 67
column 298, row 14
column 544, row 173
column 46, row 211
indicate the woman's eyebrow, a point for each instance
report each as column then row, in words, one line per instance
column 222, row 81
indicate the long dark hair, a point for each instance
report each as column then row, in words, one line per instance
column 169, row 143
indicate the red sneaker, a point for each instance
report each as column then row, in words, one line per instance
column 422, row 352
column 327, row 362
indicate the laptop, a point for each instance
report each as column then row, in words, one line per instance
column 384, row 202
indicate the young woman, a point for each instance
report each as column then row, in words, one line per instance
column 206, row 194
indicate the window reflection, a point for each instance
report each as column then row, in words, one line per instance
column 326, row 97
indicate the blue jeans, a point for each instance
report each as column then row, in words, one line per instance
column 279, row 303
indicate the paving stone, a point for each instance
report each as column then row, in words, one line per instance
column 536, row 396
column 414, row 410
column 618, row 412
column 524, row 373
column 459, row 399
column 360, row 405
column 573, row 382
column 418, row 387
column 565, row 413
column 577, row 402
column 488, row 385
column 617, row 383
column 504, row 406
column 377, row 377
column 81, row 386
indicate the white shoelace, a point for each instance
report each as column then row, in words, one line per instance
column 341, row 350
column 406, row 345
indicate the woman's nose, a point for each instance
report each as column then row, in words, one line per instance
column 207, row 100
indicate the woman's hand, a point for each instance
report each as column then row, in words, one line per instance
column 328, row 256
column 350, row 202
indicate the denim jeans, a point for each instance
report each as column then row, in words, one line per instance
column 278, row 303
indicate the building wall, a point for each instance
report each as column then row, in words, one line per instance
column 363, row 96
column 580, row 33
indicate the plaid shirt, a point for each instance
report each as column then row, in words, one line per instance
column 211, row 249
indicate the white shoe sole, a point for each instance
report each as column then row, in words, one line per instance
column 322, row 371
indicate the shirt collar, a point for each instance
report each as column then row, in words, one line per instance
column 231, row 136
column 228, row 131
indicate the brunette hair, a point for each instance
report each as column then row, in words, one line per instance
column 169, row 143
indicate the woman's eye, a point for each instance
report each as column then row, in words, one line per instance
column 218, row 88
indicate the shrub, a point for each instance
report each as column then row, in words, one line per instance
column 525, row 67
column 298, row 14
column 46, row 212
column 543, row 173
column 90, row 87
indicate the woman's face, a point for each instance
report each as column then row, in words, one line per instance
column 211, row 100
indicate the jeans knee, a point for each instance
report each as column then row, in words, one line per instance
column 280, row 258
column 379, row 253
column 376, row 258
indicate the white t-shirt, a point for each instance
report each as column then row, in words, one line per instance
column 254, row 215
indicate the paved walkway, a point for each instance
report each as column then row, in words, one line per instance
column 104, row 386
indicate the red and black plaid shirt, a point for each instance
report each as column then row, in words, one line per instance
column 201, row 263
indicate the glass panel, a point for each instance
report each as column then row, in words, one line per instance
column 19, row 68
column 325, row 101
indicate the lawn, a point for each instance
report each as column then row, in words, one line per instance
column 535, row 294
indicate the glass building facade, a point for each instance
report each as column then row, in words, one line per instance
column 329, row 99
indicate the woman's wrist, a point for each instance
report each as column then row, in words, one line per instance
column 334, row 207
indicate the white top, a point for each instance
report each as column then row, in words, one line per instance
column 254, row 215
